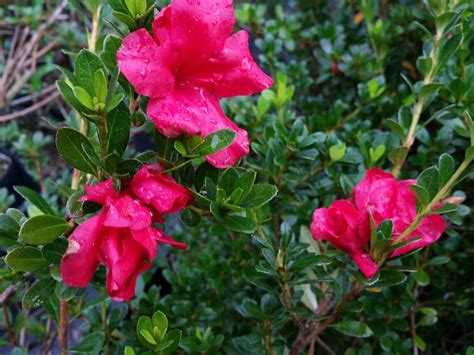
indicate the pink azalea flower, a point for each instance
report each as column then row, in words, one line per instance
column 159, row 191
column 389, row 198
column 347, row 229
column 345, row 224
column 191, row 61
column 121, row 236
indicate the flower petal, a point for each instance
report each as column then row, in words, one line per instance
column 430, row 230
column 98, row 193
column 161, row 237
column 81, row 259
column 233, row 72
column 195, row 29
column 160, row 191
column 145, row 65
column 126, row 212
column 365, row 264
column 193, row 110
column 125, row 260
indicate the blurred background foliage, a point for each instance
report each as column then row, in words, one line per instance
column 342, row 69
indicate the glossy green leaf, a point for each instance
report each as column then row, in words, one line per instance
column 42, row 230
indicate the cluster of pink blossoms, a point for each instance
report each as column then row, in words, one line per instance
column 122, row 236
column 346, row 224
column 191, row 61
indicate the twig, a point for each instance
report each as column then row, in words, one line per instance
column 9, row 325
column 63, row 313
column 30, row 109
column 325, row 346
column 7, row 294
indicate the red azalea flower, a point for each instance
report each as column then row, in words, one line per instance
column 121, row 236
column 191, row 61
column 159, row 190
column 389, row 198
column 345, row 224
column 347, row 229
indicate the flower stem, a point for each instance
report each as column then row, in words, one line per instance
column 418, row 108
column 63, row 323
column 439, row 196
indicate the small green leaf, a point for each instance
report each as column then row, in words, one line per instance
column 100, row 85
column 190, row 218
column 180, row 148
column 128, row 351
column 259, row 195
column 422, row 195
column 240, row 224
column 420, row 343
column 42, row 230
column 86, row 65
column 90, row 344
column 38, row 293
column 215, row 142
column 438, row 260
column 70, row 144
column 160, row 321
column 148, row 337
column 446, row 168
column 54, row 251
column 337, row 152
column 108, row 55
column 429, row 180
column 421, row 277
column 25, row 259
column 118, row 129
column 428, row 91
column 35, row 199
column 83, row 97
column 353, row 328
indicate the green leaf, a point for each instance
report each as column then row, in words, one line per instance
column 448, row 208
column 390, row 278
column 438, row 260
column 129, row 351
column 118, row 129
column 421, row 277
column 68, row 95
column 114, row 102
column 310, row 260
column 71, row 146
column 38, row 293
column 42, row 230
column 337, row 152
column 25, row 259
column 420, row 343
column 398, row 155
column 64, row 292
column 190, row 218
column 422, row 195
column 353, row 328
column 8, row 226
column 240, row 224
column 429, row 180
column 86, row 65
column 215, row 142
column 428, row 91
column 35, row 199
column 470, row 153
column 54, row 251
column 259, row 195
column 108, row 55
column 145, row 324
column 180, row 148
column 446, row 168
column 100, row 85
column 9, row 229
column 395, row 127
column 89, row 344
column 174, row 336
column 83, row 97
column 160, row 321
column 448, row 50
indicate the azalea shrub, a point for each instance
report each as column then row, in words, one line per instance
column 257, row 177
